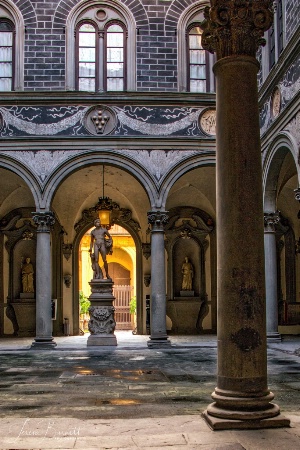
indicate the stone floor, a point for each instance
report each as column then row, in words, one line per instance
column 131, row 397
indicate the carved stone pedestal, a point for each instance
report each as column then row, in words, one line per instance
column 102, row 321
column 25, row 315
column 184, row 314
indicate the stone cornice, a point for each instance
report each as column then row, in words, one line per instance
column 289, row 53
column 65, row 98
column 93, row 143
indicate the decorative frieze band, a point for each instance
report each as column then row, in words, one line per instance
column 102, row 120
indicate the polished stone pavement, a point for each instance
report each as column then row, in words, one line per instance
column 131, row 397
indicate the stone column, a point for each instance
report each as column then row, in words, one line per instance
column 158, row 337
column 271, row 276
column 234, row 30
column 44, row 338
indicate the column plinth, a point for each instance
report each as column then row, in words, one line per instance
column 44, row 338
column 234, row 30
column 158, row 304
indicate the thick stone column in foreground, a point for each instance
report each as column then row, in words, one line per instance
column 234, row 30
column 271, row 276
column 102, row 313
column 158, row 337
column 44, row 338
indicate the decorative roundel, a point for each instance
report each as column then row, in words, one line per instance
column 100, row 120
column 207, row 121
column 276, row 102
column 100, row 15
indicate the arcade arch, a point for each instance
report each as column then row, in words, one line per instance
column 281, row 178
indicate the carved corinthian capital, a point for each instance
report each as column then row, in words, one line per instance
column 236, row 27
column 44, row 221
column 271, row 219
column 158, row 219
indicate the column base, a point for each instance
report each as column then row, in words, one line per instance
column 273, row 337
column 43, row 343
column 217, row 423
column 101, row 340
column 159, row 342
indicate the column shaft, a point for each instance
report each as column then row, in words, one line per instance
column 242, row 398
column 158, row 337
column 271, row 277
column 43, row 337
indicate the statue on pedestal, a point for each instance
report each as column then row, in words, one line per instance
column 27, row 275
column 187, row 275
column 101, row 242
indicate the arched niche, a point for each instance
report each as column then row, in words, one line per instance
column 187, row 236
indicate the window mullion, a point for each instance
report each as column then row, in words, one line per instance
column 101, row 61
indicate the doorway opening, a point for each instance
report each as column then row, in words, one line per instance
column 122, row 270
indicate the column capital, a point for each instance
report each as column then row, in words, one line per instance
column 44, row 221
column 270, row 220
column 297, row 194
column 234, row 27
column 158, row 219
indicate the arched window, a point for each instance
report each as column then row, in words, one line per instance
column 198, row 76
column 103, row 57
column 7, row 47
column 194, row 63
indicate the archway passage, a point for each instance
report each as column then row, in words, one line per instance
column 281, row 238
column 122, row 270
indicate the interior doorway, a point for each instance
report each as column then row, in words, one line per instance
column 122, row 270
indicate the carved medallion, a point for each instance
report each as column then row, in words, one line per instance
column 100, row 15
column 207, row 121
column 100, row 120
column 276, row 102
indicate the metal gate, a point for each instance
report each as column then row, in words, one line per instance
column 123, row 295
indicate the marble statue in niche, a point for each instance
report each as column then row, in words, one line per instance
column 27, row 275
column 101, row 242
column 187, row 275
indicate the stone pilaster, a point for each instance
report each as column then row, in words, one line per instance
column 158, row 336
column 44, row 338
column 270, row 220
column 234, row 30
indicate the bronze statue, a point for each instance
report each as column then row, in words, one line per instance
column 101, row 242
column 187, row 275
column 27, row 275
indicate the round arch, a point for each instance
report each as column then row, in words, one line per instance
column 87, row 159
column 139, row 274
column 32, row 182
column 179, row 170
column 279, row 148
